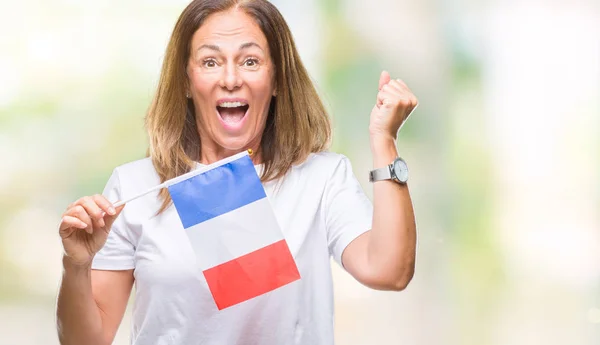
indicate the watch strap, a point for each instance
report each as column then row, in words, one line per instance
column 384, row 173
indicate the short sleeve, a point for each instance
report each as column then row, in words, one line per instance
column 118, row 251
column 348, row 212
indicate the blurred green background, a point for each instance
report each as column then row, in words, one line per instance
column 503, row 152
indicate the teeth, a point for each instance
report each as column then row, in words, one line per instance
column 231, row 104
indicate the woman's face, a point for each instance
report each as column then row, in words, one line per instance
column 231, row 81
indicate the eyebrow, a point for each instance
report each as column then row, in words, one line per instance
column 209, row 46
column 249, row 45
column 218, row 49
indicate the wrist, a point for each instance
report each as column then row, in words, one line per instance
column 74, row 267
column 384, row 150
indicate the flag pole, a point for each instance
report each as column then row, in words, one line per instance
column 176, row 179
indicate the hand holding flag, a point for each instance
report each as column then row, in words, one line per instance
column 95, row 215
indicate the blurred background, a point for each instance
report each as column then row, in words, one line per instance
column 504, row 152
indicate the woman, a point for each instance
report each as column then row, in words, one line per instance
column 231, row 81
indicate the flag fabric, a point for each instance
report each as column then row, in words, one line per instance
column 232, row 228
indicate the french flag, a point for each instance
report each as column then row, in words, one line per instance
column 232, row 228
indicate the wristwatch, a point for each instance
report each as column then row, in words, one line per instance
column 396, row 171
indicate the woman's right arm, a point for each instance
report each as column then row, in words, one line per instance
column 91, row 303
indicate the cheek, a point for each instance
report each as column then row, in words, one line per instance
column 202, row 83
column 201, row 87
column 262, row 86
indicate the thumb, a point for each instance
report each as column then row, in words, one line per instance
column 384, row 79
column 109, row 220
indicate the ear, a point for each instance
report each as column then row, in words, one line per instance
column 187, row 83
column 187, row 89
column 274, row 79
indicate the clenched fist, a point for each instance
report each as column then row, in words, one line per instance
column 395, row 102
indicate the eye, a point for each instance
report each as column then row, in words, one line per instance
column 209, row 63
column 251, row 62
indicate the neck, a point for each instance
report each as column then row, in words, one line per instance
column 210, row 157
column 213, row 153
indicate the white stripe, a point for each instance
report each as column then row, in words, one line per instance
column 234, row 234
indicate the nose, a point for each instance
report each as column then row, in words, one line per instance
column 231, row 79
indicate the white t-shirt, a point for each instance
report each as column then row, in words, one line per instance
column 320, row 208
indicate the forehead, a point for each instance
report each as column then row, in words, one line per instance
column 230, row 27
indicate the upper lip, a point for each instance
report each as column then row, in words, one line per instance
column 230, row 100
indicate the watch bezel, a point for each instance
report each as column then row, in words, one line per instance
column 403, row 166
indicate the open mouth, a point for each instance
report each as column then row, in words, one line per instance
column 232, row 112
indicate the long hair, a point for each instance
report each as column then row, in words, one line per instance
column 297, row 123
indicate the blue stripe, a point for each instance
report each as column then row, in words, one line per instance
column 216, row 191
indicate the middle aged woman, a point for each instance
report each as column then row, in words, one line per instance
column 232, row 80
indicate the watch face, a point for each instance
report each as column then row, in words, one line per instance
column 401, row 170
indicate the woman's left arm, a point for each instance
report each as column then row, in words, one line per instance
column 384, row 258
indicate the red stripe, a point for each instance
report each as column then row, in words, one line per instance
column 252, row 274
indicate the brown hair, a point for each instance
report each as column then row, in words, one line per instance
column 297, row 123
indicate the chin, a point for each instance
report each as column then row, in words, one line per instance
column 236, row 143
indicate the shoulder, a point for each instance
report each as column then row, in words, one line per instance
column 136, row 165
column 136, row 175
column 325, row 161
column 138, row 169
column 320, row 167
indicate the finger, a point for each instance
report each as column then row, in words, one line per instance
column 71, row 222
column 401, row 82
column 110, row 219
column 385, row 98
column 94, row 211
column 401, row 85
column 384, row 78
column 390, row 100
column 405, row 96
column 80, row 213
column 389, row 88
column 397, row 84
column 104, row 204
